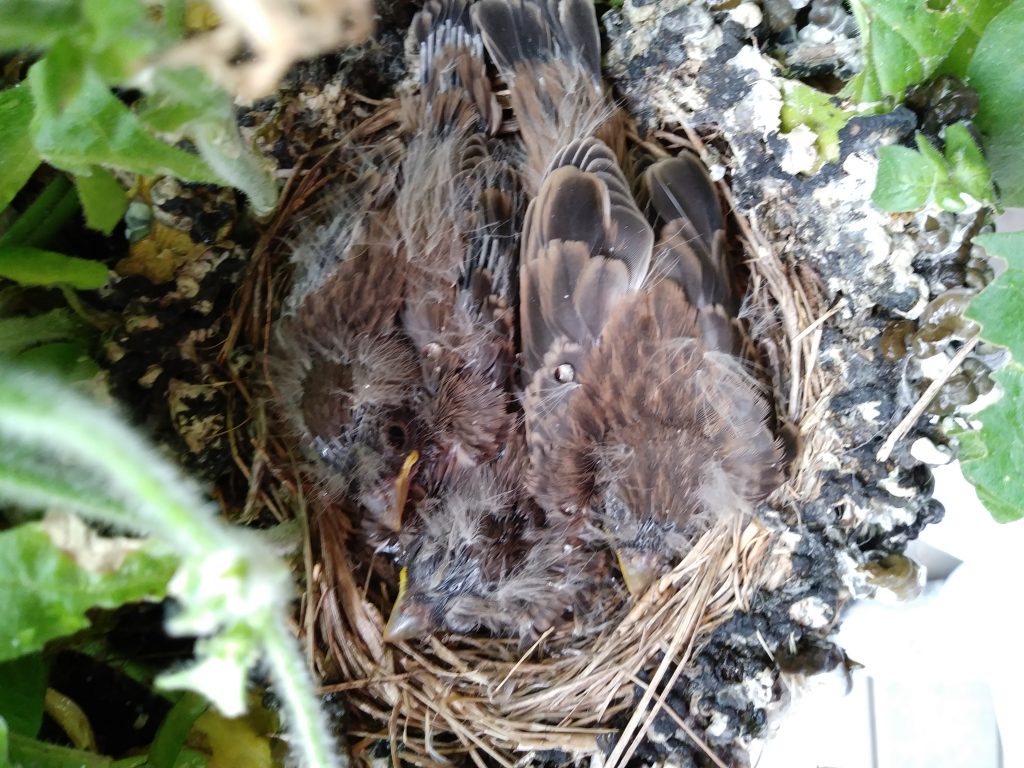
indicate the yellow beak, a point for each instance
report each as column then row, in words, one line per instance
column 402, row 488
column 405, row 622
column 639, row 571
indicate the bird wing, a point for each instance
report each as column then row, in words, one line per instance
column 585, row 245
column 459, row 215
column 521, row 32
column 549, row 53
column 691, row 252
column 586, row 249
column 691, row 248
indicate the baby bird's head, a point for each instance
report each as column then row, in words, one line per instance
column 355, row 412
column 483, row 560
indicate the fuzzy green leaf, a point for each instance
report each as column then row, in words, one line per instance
column 21, row 332
column 68, row 360
column 996, row 72
column 35, row 23
column 905, row 42
column 22, row 693
column 187, row 102
column 1000, row 307
column 48, row 591
column 908, row 180
column 905, row 179
column 121, row 38
column 968, row 167
column 180, row 97
column 930, row 153
column 32, row 753
column 79, row 123
column 231, row 587
column 34, row 266
column 959, row 57
column 992, row 456
column 103, row 199
column 18, row 158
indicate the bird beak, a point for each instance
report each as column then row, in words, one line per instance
column 402, row 489
column 639, row 571
column 405, row 622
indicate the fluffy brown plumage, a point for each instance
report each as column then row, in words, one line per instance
column 642, row 423
column 549, row 52
column 641, row 415
column 399, row 337
column 482, row 558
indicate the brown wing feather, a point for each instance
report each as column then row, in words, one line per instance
column 582, row 214
column 548, row 51
column 451, row 62
column 691, row 248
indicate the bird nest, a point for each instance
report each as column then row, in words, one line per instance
column 592, row 688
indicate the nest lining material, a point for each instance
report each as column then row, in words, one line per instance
column 486, row 699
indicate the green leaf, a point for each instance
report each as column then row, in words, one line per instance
column 908, row 180
column 960, row 56
column 969, row 169
column 30, row 753
column 4, row 754
column 996, row 72
column 905, row 179
column 187, row 101
column 34, row 266
column 1000, row 307
column 169, row 742
column 69, row 360
column 904, row 42
column 18, row 158
column 930, row 153
column 103, row 199
column 177, row 98
column 22, row 693
column 231, row 588
column 803, row 105
column 44, row 218
column 79, row 124
column 222, row 146
column 48, row 589
column 991, row 457
column 24, row 332
column 36, row 23
column 122, row 37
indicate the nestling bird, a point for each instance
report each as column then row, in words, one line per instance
column 398, row 341
column 482, row 558
column 640, row 416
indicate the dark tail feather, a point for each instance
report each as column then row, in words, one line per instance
column 494, row 247
column 691, row 249
column 680, row 188
column 548, row 51
column 524, row 32
column 451, row 63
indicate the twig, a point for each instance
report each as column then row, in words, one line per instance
column 925, row 400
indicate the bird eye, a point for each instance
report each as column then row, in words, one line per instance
column 395, row 436
column 565, row 373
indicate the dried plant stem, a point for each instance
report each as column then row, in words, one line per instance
column 925, row 400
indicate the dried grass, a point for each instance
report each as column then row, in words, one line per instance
column 493, row 701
